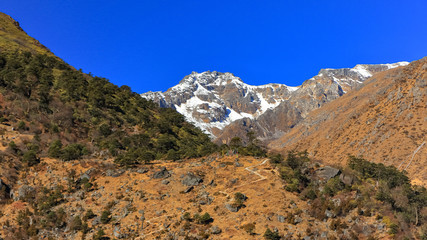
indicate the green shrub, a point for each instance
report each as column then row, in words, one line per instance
column 309, row 193
column 270, row 235
column 30, row 158
column 187, row 217
column 73, row 152
column 105, row 217
column 203, row 219
column 21, row 126
column 99, row 235
column 86, row 184
column 367, row 169
column 239, row 199
column 333, row 186
column 393, row 228
column 89, row 214
column 13, row 147
column 55, row 149
column 276, row 158
column 249, row 228
column 49, row 198
column 105, row 129
column 76, row 224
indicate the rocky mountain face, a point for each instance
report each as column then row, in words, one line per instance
column 222, row 105
column 384, row 121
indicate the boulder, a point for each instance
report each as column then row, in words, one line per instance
column 142, row 170
column 162, row 173
column 297, row 219
column 23, row 192
column 324, row 235
column 205, row 199
column 232, row 207
column 281, row 218
column 88, row 173
column 326, row 173
column 329, row 214
column 347, row 179
column 366, row 230
column 96, row 221
column 191, row 180
column 216, row 230
column 114, row 173
column 84, row 175
column 188, row 189
column 165, row 182
column 381, row 226
column 117, row 232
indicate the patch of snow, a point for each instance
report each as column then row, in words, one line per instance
column 360, row 69
column 152, row 95
column 292, row 89
column 395, row 65
column 201, row 90
column 265, row 105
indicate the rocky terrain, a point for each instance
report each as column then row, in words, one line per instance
column 224, row 106
column 162, row 200
column 385, row 121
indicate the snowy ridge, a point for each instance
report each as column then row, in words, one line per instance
column 213, row 100
column 348, row 77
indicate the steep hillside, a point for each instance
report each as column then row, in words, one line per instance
column 385, row 121
column 65, row 108
column 224, row 106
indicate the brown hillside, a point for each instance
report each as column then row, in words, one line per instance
column 385, row 121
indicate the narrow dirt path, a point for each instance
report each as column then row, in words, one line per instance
column 249, row 169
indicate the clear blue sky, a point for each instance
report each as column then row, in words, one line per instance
column 152, row 45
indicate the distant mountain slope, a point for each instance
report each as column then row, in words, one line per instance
column 385, row 120
column 224, row 106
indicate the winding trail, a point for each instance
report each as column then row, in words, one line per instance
column 249, row 169
column 412, row 158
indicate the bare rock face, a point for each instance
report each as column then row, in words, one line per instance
column 223, row 106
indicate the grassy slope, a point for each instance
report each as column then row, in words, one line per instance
column 12, row 37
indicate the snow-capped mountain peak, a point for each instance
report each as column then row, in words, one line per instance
column 213, row 100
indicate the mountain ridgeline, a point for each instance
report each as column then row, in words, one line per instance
column 76, row 114
column 222, row 105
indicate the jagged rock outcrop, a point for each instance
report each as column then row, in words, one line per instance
column 224, row 106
